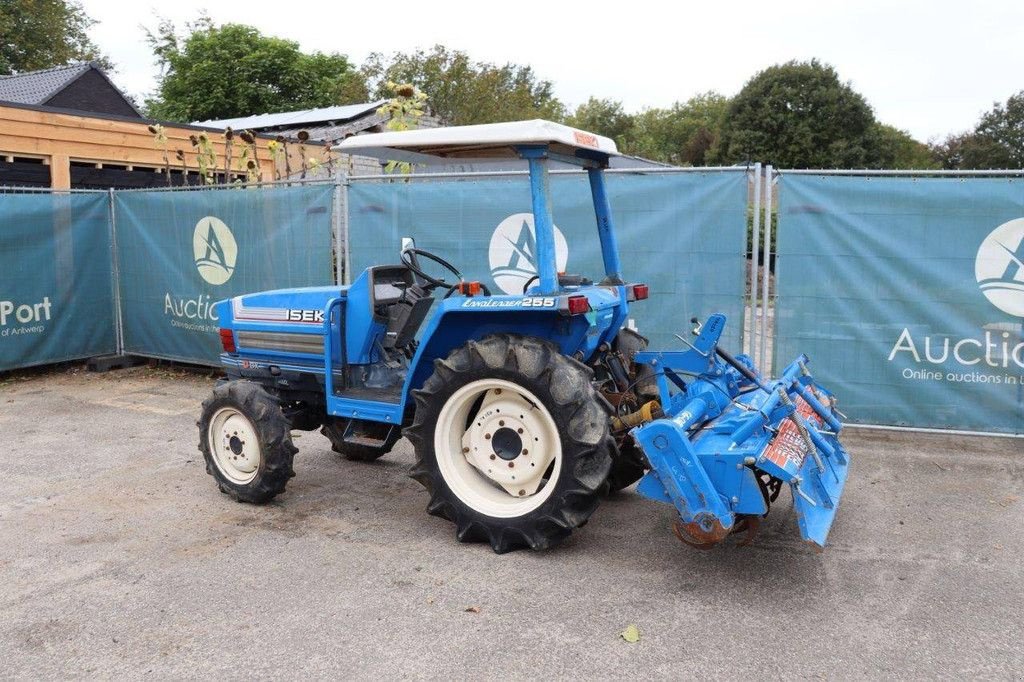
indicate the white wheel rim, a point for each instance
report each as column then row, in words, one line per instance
column 234, row 444
column 497, row 464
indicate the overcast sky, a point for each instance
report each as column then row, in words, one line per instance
column 928, row 67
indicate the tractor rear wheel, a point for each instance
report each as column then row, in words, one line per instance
column 246, row 441
column 511, row 442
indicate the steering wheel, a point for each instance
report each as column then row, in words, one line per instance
column 409, row 259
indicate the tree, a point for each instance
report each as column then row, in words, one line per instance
column 604, row 117
column 898, row 150
column 462, row 91
column 39, row 34
column 799, row 115
column 997, row 141
column 218, row 72
column 683, row 134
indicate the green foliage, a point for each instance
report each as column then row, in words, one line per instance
column 898, row 150
column 39, row 34
column 604, row 117
column 799, row 115
column 682, row 134
column 219, row 72
column 997, row 141
column 404, row 111
column 463, row 91
column 1001, row 130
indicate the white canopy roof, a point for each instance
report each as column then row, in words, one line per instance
column 476, row 142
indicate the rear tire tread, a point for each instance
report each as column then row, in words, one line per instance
column 537, row 365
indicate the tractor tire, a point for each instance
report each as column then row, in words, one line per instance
column 334, row 429
column 628, row 466
column 504, row 401
column 246, row 441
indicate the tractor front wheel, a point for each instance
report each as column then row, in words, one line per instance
column 511, row 442
column 246, row 441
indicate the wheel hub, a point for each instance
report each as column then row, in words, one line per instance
column 235, row 446
column 508, row 441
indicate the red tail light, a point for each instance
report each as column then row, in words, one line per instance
column 578, row 305
column 640, row 292
column 227, row 340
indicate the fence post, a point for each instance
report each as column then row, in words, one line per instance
column 115, row 276
column 769, row 187
column 755, row 237
column 340, row 221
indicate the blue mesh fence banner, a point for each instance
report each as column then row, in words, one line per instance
column 181, row 252
column 908, row 295
column 56, row 285
column 684, row 234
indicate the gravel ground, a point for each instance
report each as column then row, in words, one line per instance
column 121, row 559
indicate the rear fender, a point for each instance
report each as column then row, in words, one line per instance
column 455, row 324
column 461, row 319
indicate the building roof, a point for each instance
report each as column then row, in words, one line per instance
column 292, row 119
column 39, row 87
column 36, row 87
column 485, row 141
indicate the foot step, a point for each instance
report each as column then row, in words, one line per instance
column 366, row 441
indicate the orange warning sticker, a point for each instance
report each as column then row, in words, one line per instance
column 789, row 446
column 585, row 139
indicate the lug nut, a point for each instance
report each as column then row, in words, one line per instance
column 522, row 492
column 520, row 430
column 511, row 464
column 525, row 451
column 465, row 450
column 487, row 436
column 501, row 422
column 497, row 391
column 493, row 456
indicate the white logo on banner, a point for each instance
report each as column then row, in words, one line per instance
column 215, row 250
column 513, row 252
column 999, row 267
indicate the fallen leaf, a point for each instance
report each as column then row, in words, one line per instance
column 631, row 634
column 472, row 609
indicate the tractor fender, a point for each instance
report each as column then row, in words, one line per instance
column 455, row 325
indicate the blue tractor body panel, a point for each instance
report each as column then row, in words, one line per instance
column 300, row 330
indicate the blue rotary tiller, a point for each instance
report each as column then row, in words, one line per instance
column 729, row 440
column 523, row 407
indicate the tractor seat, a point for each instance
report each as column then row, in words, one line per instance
column 399, row 303
column 405, row 318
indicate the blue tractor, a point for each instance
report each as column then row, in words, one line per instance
column 524, row 410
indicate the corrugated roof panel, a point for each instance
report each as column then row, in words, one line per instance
column 294, row 118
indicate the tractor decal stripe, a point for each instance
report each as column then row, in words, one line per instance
column 285, row 342
column 242, row 312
